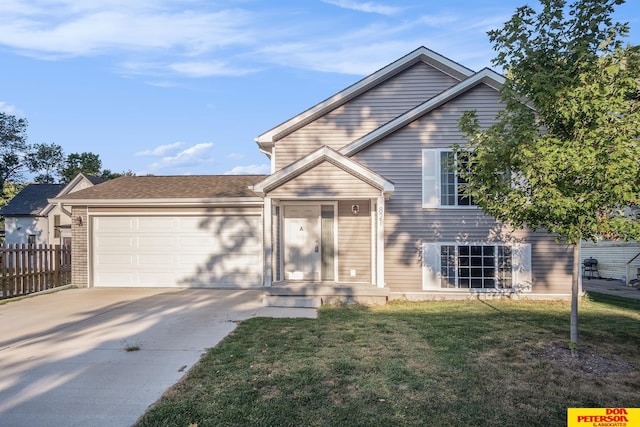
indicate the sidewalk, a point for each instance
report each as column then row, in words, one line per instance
column 610, row 287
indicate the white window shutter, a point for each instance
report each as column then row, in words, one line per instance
column 521, row 260
column 430, row 174
column 430, row 266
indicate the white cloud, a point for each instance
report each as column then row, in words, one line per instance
column 166, row 39
column 110, row 26
column 368, row 7
column 189, row 158
column 208, row 69
column 263, row 169
column 342, row 58
column 236, row 156
column 8, row 109
column 161, row 150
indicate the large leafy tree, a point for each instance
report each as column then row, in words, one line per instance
column 564, row 153
column 88, row 163
column 13, row 145
column 45, row 160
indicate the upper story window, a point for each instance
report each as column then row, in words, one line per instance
column 441, row 186
column 31, row 239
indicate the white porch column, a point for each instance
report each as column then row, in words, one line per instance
column 268, row 241
column 373, row 219
column 380, row 242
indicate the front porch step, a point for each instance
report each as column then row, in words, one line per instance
column 310, row 294
column 292, row 301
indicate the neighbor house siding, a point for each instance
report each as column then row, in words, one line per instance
column 354, row 242
column 364, row 113
column 325, row 181
column 613, row 257
column 407, row 225
column 79, row 247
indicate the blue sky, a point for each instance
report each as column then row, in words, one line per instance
column 173, row 87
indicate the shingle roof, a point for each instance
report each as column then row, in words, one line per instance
column 170, row 187
column 31, row 200
column 94, row 179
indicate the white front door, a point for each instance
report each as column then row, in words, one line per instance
column 302, row 242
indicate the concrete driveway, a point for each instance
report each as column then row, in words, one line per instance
column 63, row 360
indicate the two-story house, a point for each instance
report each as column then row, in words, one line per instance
column 360, row 202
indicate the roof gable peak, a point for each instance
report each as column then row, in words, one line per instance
column 485, row 76
column 421, row 54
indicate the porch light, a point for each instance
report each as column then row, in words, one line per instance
column 78, row 221
column 355, row 209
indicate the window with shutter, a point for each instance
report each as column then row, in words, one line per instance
column 479, row 266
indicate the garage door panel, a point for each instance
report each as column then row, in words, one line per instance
column 114, row 241
column 153, row 242
column 158, row 223
column 119, row 223
column 160, row 279
column 162, row 262
column 115, row 278
column 115, row 259
column 177, row 251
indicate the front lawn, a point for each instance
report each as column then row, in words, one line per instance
column 468, row 363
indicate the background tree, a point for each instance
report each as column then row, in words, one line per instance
column 13, row 145
column 87, row 163
column 577, row 177
column 45, row 160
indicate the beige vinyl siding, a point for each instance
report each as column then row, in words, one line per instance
column 364, row 113
column 325, row 181
column 407, row 225
column 354, row 242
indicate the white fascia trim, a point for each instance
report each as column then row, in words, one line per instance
column 322, row 154
column 487, row 76
column 223, row 201
column 65, row 190
column 384, row 73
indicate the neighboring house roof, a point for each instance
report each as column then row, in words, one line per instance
column 71, row 186
column 191, row 188
column 32, row 200
column 422, row 54
column 95, row 180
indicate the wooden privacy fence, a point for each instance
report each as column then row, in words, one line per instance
column 25, row 269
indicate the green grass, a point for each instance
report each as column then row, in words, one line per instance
column 466, row 363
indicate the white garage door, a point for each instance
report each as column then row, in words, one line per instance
column 180, row 251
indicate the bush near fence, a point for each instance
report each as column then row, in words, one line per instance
column 26, row 269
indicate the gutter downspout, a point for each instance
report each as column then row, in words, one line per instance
column 66, row 212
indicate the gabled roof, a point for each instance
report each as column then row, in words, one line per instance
column 422, row 54
column 95, row 180
column 323, row 154
column 485, row 76
column 149, row 190
column 71, row 186
column 32, row 200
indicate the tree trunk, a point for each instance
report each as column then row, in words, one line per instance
column 573, row 345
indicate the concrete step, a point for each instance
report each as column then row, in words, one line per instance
column 292, row 301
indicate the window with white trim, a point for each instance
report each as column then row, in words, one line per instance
column 476, row 266
column 441, row 186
